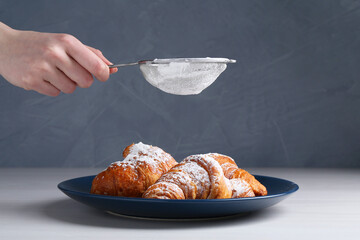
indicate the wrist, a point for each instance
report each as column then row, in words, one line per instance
column 6, row 33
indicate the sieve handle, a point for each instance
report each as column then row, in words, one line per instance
column 123, row 64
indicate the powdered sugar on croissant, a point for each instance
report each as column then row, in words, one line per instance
column 142, row 166
column 232, row 171
column 196, row 177
column 241, row 189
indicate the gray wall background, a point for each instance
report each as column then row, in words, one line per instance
column 292, row 99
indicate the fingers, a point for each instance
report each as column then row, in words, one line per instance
column 74, row 71
column 48, row 89
column 59, row 83
column 113, row 70
column 59, row 80
column 102, row 57
column 99, row 54
column 85, row 57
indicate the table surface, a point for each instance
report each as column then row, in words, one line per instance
column 326, row 206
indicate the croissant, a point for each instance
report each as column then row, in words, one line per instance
column 232, row 171
column 142, row 166
column 197, row 177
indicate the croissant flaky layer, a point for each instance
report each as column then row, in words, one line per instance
column 142, row 166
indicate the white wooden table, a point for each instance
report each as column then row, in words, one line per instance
column 327, row 206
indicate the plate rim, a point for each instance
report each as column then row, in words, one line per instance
column 294, row 187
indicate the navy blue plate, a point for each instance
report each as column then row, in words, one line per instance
column 79, row 190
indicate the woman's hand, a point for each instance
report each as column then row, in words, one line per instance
column 49, row 63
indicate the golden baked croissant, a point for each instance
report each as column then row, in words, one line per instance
column 142, row 166
column 232, row 171
column 197, row 177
